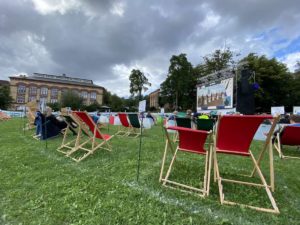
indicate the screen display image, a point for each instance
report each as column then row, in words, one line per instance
column 217, row 95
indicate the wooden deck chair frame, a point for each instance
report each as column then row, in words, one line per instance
column 31, row 108
column 68, row 146
column 91, row 140
column 125, row 127
column 204, row 191
column 134, row 131
column 4, row 116
column 219, row 179
column 278, row 143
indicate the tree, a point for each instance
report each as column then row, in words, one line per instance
column 71, row 99
column 5, row 98
column 54, row 106
column 138, row 82
column 179, row 86
column 216, row 61
column 274, row 80
column 106, row 98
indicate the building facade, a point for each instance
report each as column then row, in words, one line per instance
column 50, row 88
column 154, row 98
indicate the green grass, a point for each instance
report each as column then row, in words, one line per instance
column 42, row 186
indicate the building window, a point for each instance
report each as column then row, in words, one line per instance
column 93, row 95
column 43, row 100
column 84, row 94
column 53, row 100
column 32, row 90
column 21, row 89
column 21, row 99
column 44, row 91
column 31, row 98
column 54, row 92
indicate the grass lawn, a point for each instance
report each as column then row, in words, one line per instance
column 39, row 185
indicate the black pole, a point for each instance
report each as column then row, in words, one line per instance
column 24, row 120
column 139, row 153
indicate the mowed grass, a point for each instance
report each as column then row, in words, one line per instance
column 39, row 185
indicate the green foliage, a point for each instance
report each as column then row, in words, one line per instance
column 72, row 99
column 92, row 107
column 179, row 87
column 5, row 98
column 55, row 106
column 216, row 61
column 138, row 82
column 274, row 80
column 107, row 98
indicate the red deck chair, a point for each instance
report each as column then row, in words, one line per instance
column 96, row 141
column 233, row 136
column 289, row 135
column 190, row 141
column 74, row 126
column 126, row 128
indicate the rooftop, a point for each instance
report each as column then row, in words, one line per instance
column 58, row 79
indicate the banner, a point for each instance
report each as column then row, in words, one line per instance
column 216, row 95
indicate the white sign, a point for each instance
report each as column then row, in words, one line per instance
column 142, row 106
column 162, row 110
column 277, row 110
column 296, row 110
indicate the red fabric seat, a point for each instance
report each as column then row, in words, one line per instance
column 290, row 136
column 235, row 133
column 90, row 123
column 191, row 140
column 123, row 119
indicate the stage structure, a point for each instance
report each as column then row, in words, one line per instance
column 227, row 90
column 216, row 91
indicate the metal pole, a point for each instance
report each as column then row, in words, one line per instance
column 139, row 152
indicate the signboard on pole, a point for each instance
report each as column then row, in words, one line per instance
column 277, row 110
column 142, row 106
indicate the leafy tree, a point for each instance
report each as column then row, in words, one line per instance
column 138, row 82
column 117, row 103
column 179, row 86
column 54, row 106
column 216, row 61
column 72, row 99
column 5, row 98
column 106, row 98
column 92, row 107
column 274, row 80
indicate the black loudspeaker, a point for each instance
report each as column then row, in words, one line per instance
column 245, row 94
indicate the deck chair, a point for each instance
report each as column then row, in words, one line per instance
column 289, row 135
column 182, row 122
column 135, row 124
column 31, row 109
column 205, row 124
column 74, row 128
column 95, row 141
column 234, row 135
column 190, row 141
column 126, row 128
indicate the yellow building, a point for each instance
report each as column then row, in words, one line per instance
column 49, row 88
column 154, row 98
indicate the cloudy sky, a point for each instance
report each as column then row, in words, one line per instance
column 104, row 40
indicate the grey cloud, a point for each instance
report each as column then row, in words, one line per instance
column 88, row 40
